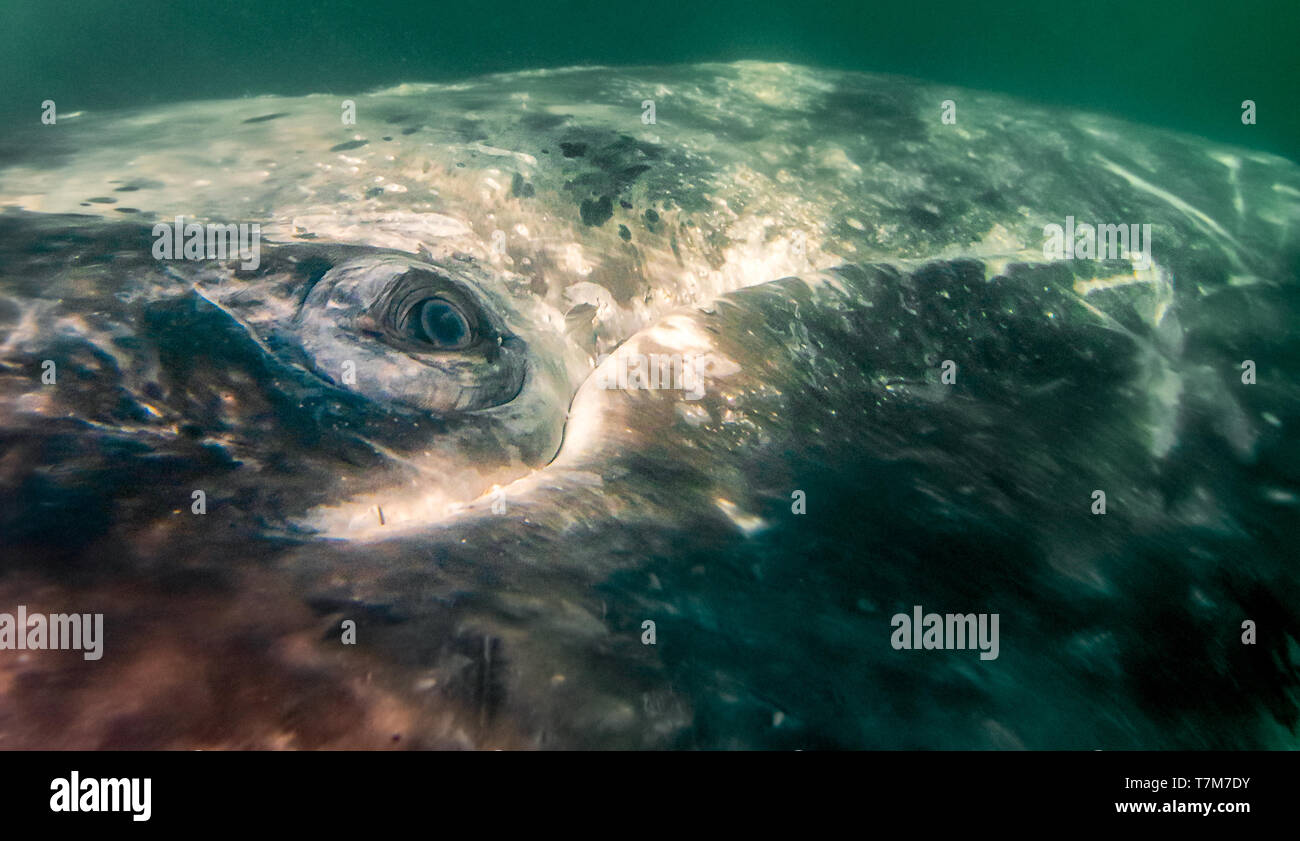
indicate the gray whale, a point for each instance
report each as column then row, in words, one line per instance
column 497, row 522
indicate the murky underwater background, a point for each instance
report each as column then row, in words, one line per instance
column 785, row 628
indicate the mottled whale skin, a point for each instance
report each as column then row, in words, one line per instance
column 499, row 527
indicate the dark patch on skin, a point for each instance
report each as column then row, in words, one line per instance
column 85, row 204
column 542, row 121
column 102, row 200
column 374, row 192
column 924, row 217
column 605, row 183
column 626, row 205
column 127, row 209
column 470, row 130
column 389, row 139
column 351, row 144
column 651, row 216
column 596, row 213
column 127, row 189
column 410, row 130
column 520, row 188
column 624, row 233
column 964, row 180
column 692, row 201
column 459, row 165
column 625, row 146
column 616, row 162
column 890, row 111
column 573, row 150
column 46, row 148
column 265, row 117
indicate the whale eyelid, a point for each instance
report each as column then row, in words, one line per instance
column 316, row 268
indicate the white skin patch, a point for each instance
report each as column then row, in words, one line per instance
column 747, row 523
column 678, row 333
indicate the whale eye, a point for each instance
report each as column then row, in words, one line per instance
column 423, row 313
column 421, row 335
column 440, row 323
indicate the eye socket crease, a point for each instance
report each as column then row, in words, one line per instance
column 367, row 326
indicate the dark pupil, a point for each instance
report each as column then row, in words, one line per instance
column 442, row 324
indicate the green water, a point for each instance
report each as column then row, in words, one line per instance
column 1186, row 64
